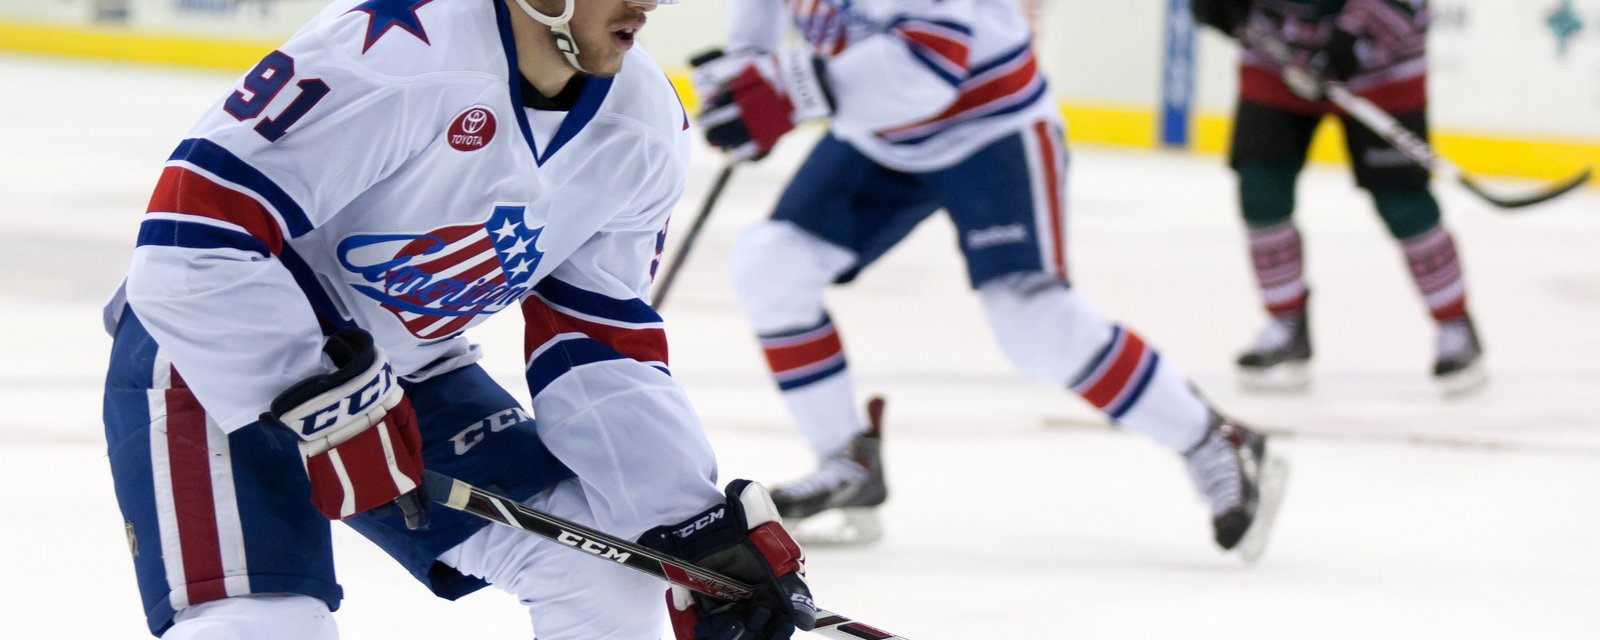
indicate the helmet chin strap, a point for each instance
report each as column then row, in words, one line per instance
column 558, row 30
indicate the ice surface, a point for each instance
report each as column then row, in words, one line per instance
column 1015, row 512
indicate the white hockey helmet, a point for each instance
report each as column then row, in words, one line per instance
column 559, row 30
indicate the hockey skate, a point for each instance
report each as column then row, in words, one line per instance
column 1459, row 368
column 843, row 494
column 1232, row 468
column 1280, row 359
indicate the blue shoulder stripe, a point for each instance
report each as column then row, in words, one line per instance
column 192, row 235
column 212, row 157
column 632, row 310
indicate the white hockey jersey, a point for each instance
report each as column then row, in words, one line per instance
column 381, row 168
column 918, row 84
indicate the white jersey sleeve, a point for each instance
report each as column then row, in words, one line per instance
column 597, row 352
column 302, row 134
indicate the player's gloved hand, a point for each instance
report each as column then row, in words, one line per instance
column 1340, row 61
column 742, row 539
column 752, row 100
column 1336, row 62
column 1225, row 16
column 357, row 431
column 715, row 68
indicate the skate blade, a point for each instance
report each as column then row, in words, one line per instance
column 838, row 527
column 1274, row 475
column 1288, row 376
column 1464, row 382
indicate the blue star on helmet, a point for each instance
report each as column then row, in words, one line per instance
column 388, row 14
column 514, row 243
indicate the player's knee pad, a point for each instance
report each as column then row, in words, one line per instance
column 270, row 616
column 1048, row 330
column 780, row 272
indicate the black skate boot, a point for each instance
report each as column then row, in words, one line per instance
column 1459, row 368
column 1280, row 360
column 1231, row 469
column 850, row 482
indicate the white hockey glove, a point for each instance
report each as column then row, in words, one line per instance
column 741, row 539
column 752, row 100
column 358, row 433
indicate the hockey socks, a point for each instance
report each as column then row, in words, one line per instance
column 1276, row 253
column 1436, row 268
column 1142, row 393
column 810, row 369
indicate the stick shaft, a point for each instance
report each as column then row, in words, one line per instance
column 461, row 496
column 670, row 274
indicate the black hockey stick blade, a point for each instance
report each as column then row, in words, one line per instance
column 1550, row 192
column 466, row 498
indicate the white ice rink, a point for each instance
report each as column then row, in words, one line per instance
column 1015, row 512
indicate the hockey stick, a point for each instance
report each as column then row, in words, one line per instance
column 1414, row 147
column 682, row 254
column 463, row 497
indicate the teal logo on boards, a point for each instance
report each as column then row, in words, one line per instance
column 1565, row 24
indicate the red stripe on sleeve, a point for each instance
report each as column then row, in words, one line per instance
column 183, row 191
column 543, row 323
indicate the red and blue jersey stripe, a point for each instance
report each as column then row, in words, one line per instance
column 1006, row 84
column 567, row 327
column 207, row 198
column 942, row 46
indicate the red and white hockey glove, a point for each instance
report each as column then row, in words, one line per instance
column 741, row 539
column 357, row 431
column 754, row 99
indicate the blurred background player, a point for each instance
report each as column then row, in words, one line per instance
column 1378, row 49
column 289, row 342
column 933, row 104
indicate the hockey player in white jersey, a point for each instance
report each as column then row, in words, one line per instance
column 289, row 342
column 935, row 104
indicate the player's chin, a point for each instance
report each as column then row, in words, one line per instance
column 604, row 60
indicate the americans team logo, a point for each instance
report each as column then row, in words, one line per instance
column 437, row 282
column 472, row 129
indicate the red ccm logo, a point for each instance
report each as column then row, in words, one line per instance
column 472, row 130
